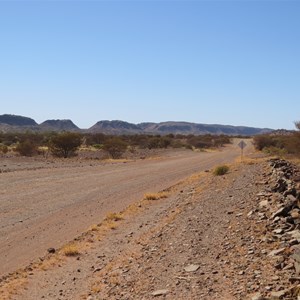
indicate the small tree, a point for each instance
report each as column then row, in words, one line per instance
column 65, row 144
column 115, row 147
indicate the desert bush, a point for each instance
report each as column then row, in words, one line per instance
column 279, row 144
column 114, row 217
column 115, row 147
column 70, row 250
column 3, row 149
column 95, row 139
column 26, row 148
column 221, row 170
column 290, row 144
column 275, row 151
column 157, row 142
column 155, row 196
column 207, row 141
column 65, row 144
column 139, row 140
column 198, row 142
column 264, row 141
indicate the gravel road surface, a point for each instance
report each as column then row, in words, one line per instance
column 48, row 207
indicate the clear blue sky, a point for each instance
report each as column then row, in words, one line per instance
column 224, row 62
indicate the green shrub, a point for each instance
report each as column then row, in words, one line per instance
column 65, row 144
column 221, row 170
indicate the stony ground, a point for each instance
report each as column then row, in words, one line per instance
column 214, row 237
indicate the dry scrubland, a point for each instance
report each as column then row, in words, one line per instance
column 47, row 202
column 221, row 233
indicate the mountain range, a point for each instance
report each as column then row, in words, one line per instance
column 14, row 123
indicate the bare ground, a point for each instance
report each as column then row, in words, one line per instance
column 47, row 207
column 198, row 243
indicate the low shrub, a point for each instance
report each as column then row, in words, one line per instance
column 155, row 196
column 115, row 147
column 70, row 250
column 114, row 217
column 3, row 149
column 26, row 148
column 221, row 170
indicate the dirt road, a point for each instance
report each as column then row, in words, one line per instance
column 48, row 207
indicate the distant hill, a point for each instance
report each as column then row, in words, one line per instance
column 198, row 129
column 115, row 127
column 14, row 120
column 163, row 128
column 58, row 125
column 13, row 123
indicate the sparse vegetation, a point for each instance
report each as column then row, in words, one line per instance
column 94, row 227
column 279, row 144
column 3, row 149
column 115, row 147
column 114, row 217
column 155, row 196
column 221, row 170
column 65, row 144
column 70, row 250
column 26, row 148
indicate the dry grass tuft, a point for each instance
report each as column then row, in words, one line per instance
column 221, row 170
column 94, row 228
column 70, row 250
column 96, row 288
column 155, row 196
column 114, row 217
column 111, row 224
column 9, row 290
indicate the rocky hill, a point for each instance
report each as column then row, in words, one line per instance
column 14, row 120
column 58, row 125
column 115, row 127
column 163, row 128
column 15, row 123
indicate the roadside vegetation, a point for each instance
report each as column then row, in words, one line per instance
column 221, row 170
column 287, row 144
column 155, row 196
column 68, row 144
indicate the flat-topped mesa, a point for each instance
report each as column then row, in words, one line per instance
column 58, row 125
column 14, row 120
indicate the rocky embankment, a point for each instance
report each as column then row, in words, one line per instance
column 279, row 208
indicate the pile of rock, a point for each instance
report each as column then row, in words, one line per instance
column 279, row 206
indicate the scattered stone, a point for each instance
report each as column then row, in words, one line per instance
column 160, row 293
column 263, row 203
column 51, row 250
column 257, row 296
column 276, row 252
column 192, row 268
column 295, row 234
column 278, row 231
column 279, row 294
